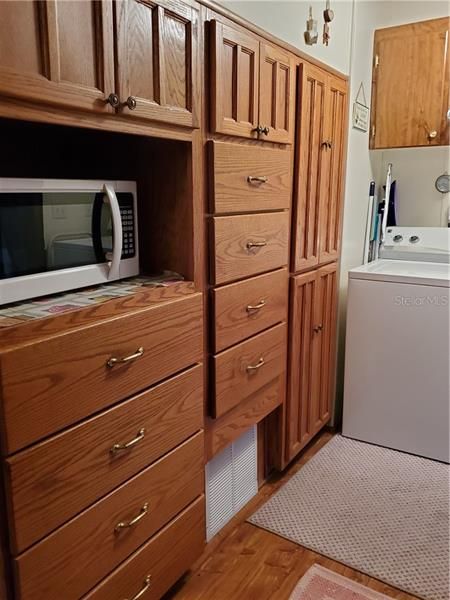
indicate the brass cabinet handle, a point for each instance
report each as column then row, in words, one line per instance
column 318, row 328
column 258, row 365
column 131, row 102
column 432, row 134
column 147, row 583
column 126, row 359
column 258, row 306
column 134, row 521
column 262, row 179
column 265, row 130
column 119, row 447
column 251, row 245
column 113, row 100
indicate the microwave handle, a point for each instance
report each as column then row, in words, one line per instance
column 116, row 254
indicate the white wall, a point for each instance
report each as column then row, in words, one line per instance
column 287, row 20
column 415, row 170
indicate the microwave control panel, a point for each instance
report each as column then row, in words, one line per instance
column 128, row 225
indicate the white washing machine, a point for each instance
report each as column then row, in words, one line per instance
column 397, row 361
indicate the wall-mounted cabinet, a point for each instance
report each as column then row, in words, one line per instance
column 252, row 86
column 410, row 85
column 319, row 175
column 62, row 53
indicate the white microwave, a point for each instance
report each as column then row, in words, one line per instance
column 58, row 235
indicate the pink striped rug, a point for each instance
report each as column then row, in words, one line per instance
column 319, row 583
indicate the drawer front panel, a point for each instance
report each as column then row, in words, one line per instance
column 247, row 178
column 243, row 309
column 164, row 559
column 66, row 378
column 77, row 556
column 247, row 367
column 53, row 481
column 246, row 245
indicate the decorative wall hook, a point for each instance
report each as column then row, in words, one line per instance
column 311, row 34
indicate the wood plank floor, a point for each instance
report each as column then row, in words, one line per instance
column 245, row 562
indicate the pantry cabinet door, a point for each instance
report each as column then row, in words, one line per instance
column 300, row 363
column 323, row 348
column 310, row 170
column 234, row 81
column 58, row 52
column 157, row 60
column 410, row 85
column 333, row 166
column 277, row 94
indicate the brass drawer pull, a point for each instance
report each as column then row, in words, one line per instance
column 258, row 306
column 252, row 179
column 116, row 361
column 318, row 328
column 119, row 447
column 258, row 365
column 147, row 583
column 125, row 525
column 251, row 245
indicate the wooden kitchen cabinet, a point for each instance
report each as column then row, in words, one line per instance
column 311, row 363
column 157, row 75
column 58, row 53
column 319, row 169
column 66, row 52
column 410, row 85
column 252, row 86
column 277, row 94
column 234, row 81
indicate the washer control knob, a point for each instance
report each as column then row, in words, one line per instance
column 414, row 239
column 398, row 238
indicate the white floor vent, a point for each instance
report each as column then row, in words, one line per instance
column 231, row 481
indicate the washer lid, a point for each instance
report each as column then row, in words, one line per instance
column 404, row 271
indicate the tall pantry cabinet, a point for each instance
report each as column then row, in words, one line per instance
column 316, row 232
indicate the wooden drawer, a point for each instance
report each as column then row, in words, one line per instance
column 248, row 178
column 237, row 373
column 235, row 254
column 164, row 559
column 51, row 482
column 242, row 309
column 77, row 556
column 58, row 381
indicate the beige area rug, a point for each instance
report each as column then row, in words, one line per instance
column 382, row 512
column 319, row 583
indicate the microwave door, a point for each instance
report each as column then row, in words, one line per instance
column 117, row 234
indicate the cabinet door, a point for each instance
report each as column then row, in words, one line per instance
column 300, row 365
column 410, row 90
column 234, row 81
column 310, row 175
column 157, row 60
column 277, row 94
column 331, row 195
column 58, row 52
column 323, row 348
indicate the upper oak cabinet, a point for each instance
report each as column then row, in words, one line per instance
column 58, row 52
column 62, row 53
column 319, row 174
column 252, row 86
column 410, row 85
column 157, row 60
